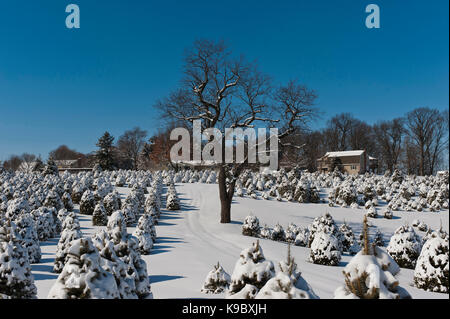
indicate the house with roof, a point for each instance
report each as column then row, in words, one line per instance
column 352, row 162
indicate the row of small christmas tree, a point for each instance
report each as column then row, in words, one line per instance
column 254, row 277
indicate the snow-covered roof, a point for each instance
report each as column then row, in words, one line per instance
column 65, row 162
column 344, row 153
column 198, row 163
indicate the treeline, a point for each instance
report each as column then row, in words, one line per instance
column 132, row 150
column 417, row 143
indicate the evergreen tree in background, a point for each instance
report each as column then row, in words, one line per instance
column 50, row 168
column 38, row 165
column 104, row 156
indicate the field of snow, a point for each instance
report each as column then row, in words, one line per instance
column 191, row 240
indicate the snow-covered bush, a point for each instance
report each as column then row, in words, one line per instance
column 367, row 278
column 53, row 200
column 130, row 212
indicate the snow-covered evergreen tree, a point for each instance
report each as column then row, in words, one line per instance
column 432, row 267
column 378, row 239
column 217, row 281
column 67, row 201
column 250, row 227
column 45, row 223
column 388, row 213
column 251, row 269
column 278, row 233
column 114, row 265
column 372, row 212
column 71, row 231
column 17, row 207
column 325, row 224
column 50, row 168
column 127, row 248
column 265, row 232
column 99, row 217
column 104, row 154
column 370, row 275
column 325, row 249
column 302, row 237
column 87, row 203
column 405, row 247
column 53, row 200
column 143, row 233
column 347, row 238
column 16, row 279
column 82, row 276
column 172, row 202
column 287, row 284
column 112, row 202
column 29, row 238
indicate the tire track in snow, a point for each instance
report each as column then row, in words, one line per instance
column 196, row 199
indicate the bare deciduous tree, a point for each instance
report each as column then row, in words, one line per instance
column 338, row 132
column 130, row 145
column 223, row 91
column 63, row 152
column 389, row 136
column 427, row 130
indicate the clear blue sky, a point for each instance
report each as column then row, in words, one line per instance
column 61, row 86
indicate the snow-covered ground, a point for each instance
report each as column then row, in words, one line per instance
column 191, row 241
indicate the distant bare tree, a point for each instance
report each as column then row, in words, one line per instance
column 226, row 91
column 130, row 145
column 63, row 152
column 13, row 162
column 411, row 157
column 338, row 132
column 361, row 137
column 427, row 130
column 389, row 136
column 306, row 157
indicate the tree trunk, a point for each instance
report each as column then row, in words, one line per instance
column 225, row 200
